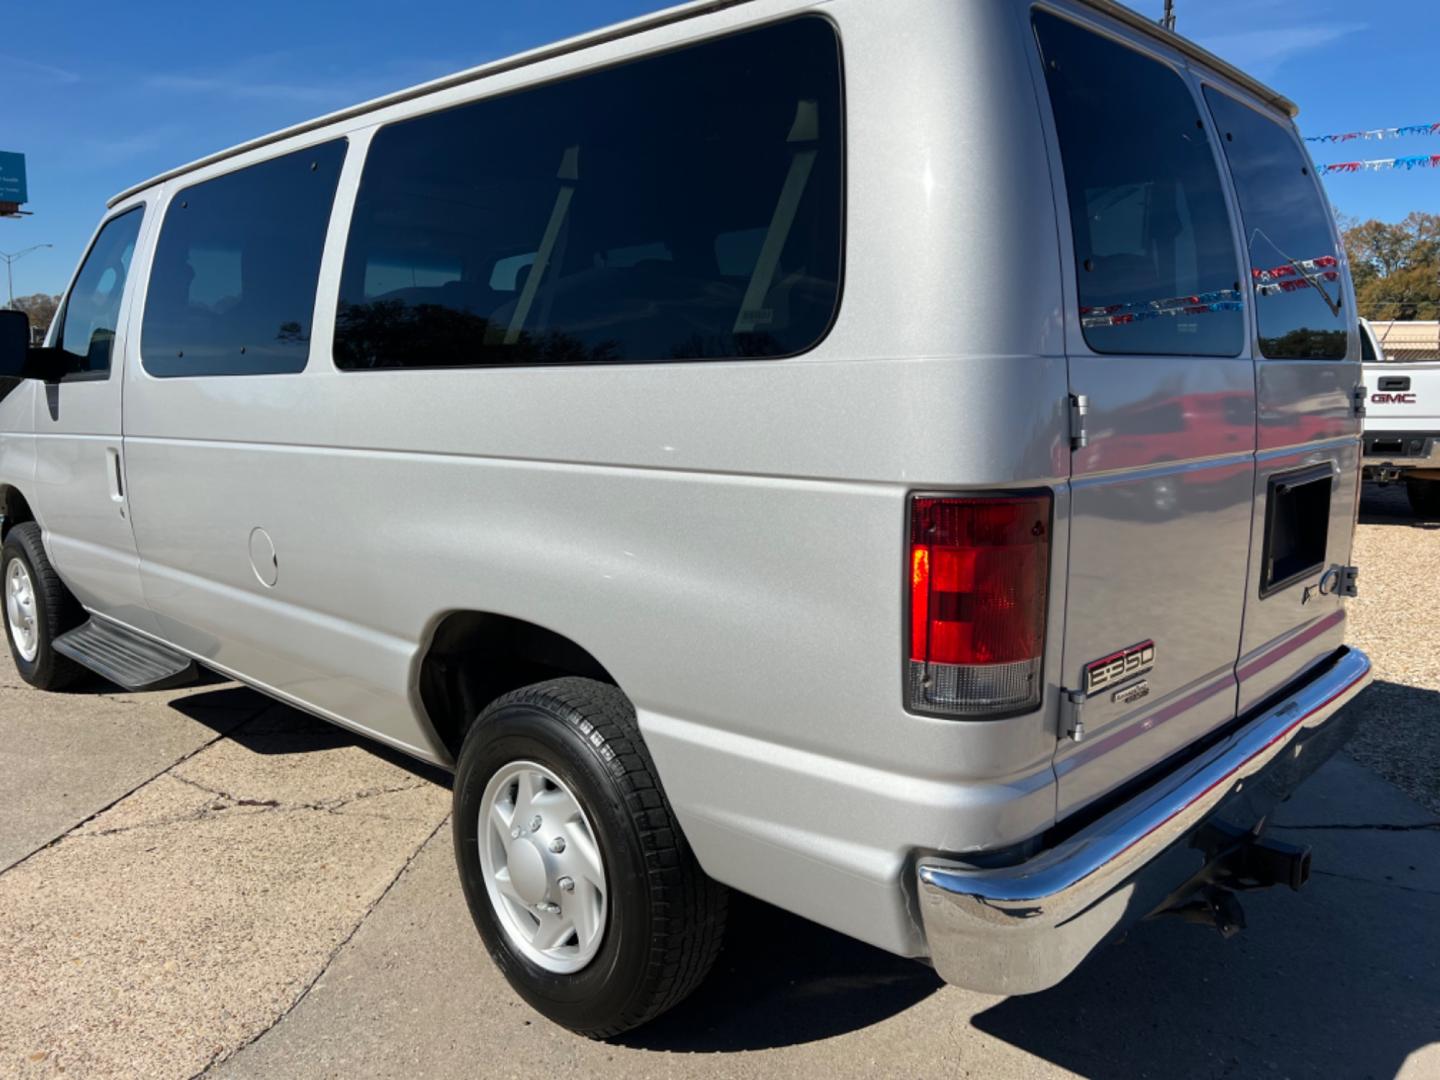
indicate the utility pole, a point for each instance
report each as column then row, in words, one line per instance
column 10, row 260
column 1168, row 19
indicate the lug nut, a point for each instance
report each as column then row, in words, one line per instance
column 548, row 908
column 515, row 834
column 535, row 823
column 557, row 845
column 566, row 884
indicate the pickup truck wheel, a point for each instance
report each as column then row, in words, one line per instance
column 38, row 607
column 577, row 875
column 1424, row 497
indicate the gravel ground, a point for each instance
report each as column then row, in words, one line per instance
column 1396, row 619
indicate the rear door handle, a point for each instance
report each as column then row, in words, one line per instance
column 1395, row 382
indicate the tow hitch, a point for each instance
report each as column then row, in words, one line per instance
column 1238, row 862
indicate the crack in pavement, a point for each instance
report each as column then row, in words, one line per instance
column 126, row 794
column 331, row 805
column 1430, row 826
column 1378, row 884
column 223, row 1056
column 229, row 801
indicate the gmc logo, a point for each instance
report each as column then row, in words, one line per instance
column 1392, row 399
column 1111, row 669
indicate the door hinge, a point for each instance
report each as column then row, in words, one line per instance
column 1072, row 719
column 1345, row 583
column 1348, row 585
column 1337, row 581
column 1357, row 397
column 1079, row 410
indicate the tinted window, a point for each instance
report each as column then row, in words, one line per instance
column 232, row 291
column 1293, row 265
column 92, row 310
column 1154, row 252
column 684, row 206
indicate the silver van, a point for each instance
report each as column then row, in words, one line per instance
column 895, row 460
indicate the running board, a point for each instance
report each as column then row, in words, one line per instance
column 125, row 657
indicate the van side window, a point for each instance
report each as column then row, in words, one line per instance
column 232, row 291
column 1154, row 252
column 1294, row 267
column 92, row 310
column 594, row 220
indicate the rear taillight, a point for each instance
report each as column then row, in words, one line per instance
column 978, row 573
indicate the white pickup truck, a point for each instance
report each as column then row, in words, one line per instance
column 1402, row 424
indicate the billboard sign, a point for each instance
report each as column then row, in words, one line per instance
column 12, row 178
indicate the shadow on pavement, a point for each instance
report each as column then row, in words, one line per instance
column 1389, row 505
column 93, row 684
column 1346, row 988
column 275, row 728
column 782, row 980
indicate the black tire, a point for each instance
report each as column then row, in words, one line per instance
column 665, row 918
column 1424, row 497
column 56, row 611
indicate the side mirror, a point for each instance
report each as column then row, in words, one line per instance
column 14, row 343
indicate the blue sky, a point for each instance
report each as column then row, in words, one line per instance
column 98, row 96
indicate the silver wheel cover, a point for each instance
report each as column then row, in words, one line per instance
column 20, row 610
column 542, row 867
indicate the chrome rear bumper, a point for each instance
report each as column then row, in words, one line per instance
column 1020, row 929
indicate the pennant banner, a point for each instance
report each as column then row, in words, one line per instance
column 1379, row 133
column 1141, row 310
column 1268, row 280
column 1413, row 161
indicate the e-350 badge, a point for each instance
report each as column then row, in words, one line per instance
column 1109, row 670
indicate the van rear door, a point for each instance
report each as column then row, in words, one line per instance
column 1164, row 385
column 1307, row 379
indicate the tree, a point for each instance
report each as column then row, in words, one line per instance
column 41, row 308
column 1396, row 267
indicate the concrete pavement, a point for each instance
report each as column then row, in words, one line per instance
column 1343, row 980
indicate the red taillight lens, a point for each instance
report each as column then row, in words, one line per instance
column 978, row 573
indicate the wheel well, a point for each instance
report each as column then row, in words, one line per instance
column 474, row 657
column 14, row 508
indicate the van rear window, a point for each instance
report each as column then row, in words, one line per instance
column 1154, row 251
column 685, row 206
column 1294, row 266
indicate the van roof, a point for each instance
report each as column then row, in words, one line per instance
column 656, row 19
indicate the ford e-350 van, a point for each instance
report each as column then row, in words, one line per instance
column 895, row 460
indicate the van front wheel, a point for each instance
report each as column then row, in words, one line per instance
column 38, row 608
column 577, row 875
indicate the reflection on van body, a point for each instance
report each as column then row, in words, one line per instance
column 694, row 435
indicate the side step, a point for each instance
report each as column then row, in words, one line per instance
column 126, row 658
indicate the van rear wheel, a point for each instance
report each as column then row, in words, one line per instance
column 38, row 608
column 1424, row 497
column 577, row 875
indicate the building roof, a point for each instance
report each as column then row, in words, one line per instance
column 1408, row 340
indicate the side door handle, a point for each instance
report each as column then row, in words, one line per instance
column 117, row 478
